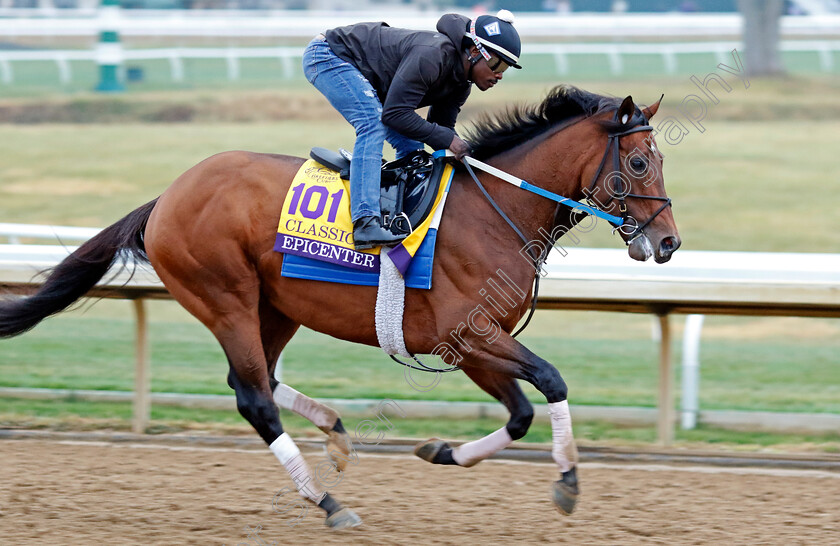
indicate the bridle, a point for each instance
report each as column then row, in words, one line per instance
column 637, row 124
column 625, row 223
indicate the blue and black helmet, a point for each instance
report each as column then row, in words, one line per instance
column 494, row 34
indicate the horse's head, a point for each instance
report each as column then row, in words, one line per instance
column 627, row 181
column 559, row 144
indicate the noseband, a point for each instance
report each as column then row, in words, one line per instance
column 629, row 226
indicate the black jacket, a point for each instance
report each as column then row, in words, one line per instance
column 411, row 69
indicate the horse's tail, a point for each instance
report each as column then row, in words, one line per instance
column 78, row 273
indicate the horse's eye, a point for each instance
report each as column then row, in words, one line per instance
column 638, row 164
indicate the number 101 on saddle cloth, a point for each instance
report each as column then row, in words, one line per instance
column 316, row 235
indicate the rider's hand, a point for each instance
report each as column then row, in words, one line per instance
column 459, row 147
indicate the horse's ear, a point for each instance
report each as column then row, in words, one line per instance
column 626, row 110
column 651, row 110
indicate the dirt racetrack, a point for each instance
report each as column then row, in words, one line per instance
column 61, row 492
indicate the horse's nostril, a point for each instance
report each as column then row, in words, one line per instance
column 668, row 244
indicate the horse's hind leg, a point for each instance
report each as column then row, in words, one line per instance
column 507, row 391
column 276, row 330
column 229, row 308
column 248, row 375
column 338, row 445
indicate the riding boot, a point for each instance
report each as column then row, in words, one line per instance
column 368, row 233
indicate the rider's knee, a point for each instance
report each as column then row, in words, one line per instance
column 371, row 128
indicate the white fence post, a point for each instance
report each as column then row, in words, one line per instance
column 176, row 65
column 691, row 371
column 65, row 75
column 670, row 59
column 6, row 71
column 561, row 62
column 826, row 57
column 616, row 64
column 665, row 428
column 232, row 65
column 286, row 64
column 142, row 372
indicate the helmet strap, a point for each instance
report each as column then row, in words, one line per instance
column 474, row 37
column 473, row 60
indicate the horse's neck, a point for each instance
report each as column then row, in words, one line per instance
column 479, row 239
column 555, row 164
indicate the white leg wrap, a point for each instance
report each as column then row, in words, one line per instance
column 290, row 399
column 288, row 454
column 474, row 452
column 564, row 451
column 285, row 396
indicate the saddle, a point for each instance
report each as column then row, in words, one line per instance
column 408, row 185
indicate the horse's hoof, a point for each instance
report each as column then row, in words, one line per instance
column 565, row 491
column 338, row 442
column 429, row 449
column 343, row 519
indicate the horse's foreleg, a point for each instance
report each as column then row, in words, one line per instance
column 508, row 354
column 507, row 391
column 508, row 357
column 276, row 330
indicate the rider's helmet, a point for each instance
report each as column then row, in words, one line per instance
column 496, row 39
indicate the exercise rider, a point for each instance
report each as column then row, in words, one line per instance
column 376, row 76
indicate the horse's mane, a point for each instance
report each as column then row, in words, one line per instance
column 493, row 134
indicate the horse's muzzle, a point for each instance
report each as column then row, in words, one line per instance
column 640, row 248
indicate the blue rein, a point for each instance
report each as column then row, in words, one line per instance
column 616, row 221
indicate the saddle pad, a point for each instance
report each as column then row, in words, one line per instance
column 418, row 275
column 315, row 220
column 315, row 233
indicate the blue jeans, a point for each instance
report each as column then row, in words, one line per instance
column 355, row 98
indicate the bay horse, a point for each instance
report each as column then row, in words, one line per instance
column 210, row 236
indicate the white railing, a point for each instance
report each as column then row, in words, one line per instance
column 301, row 24
column 693, row 282
column 288, row 57
column 59, row 234
column 669, row 52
